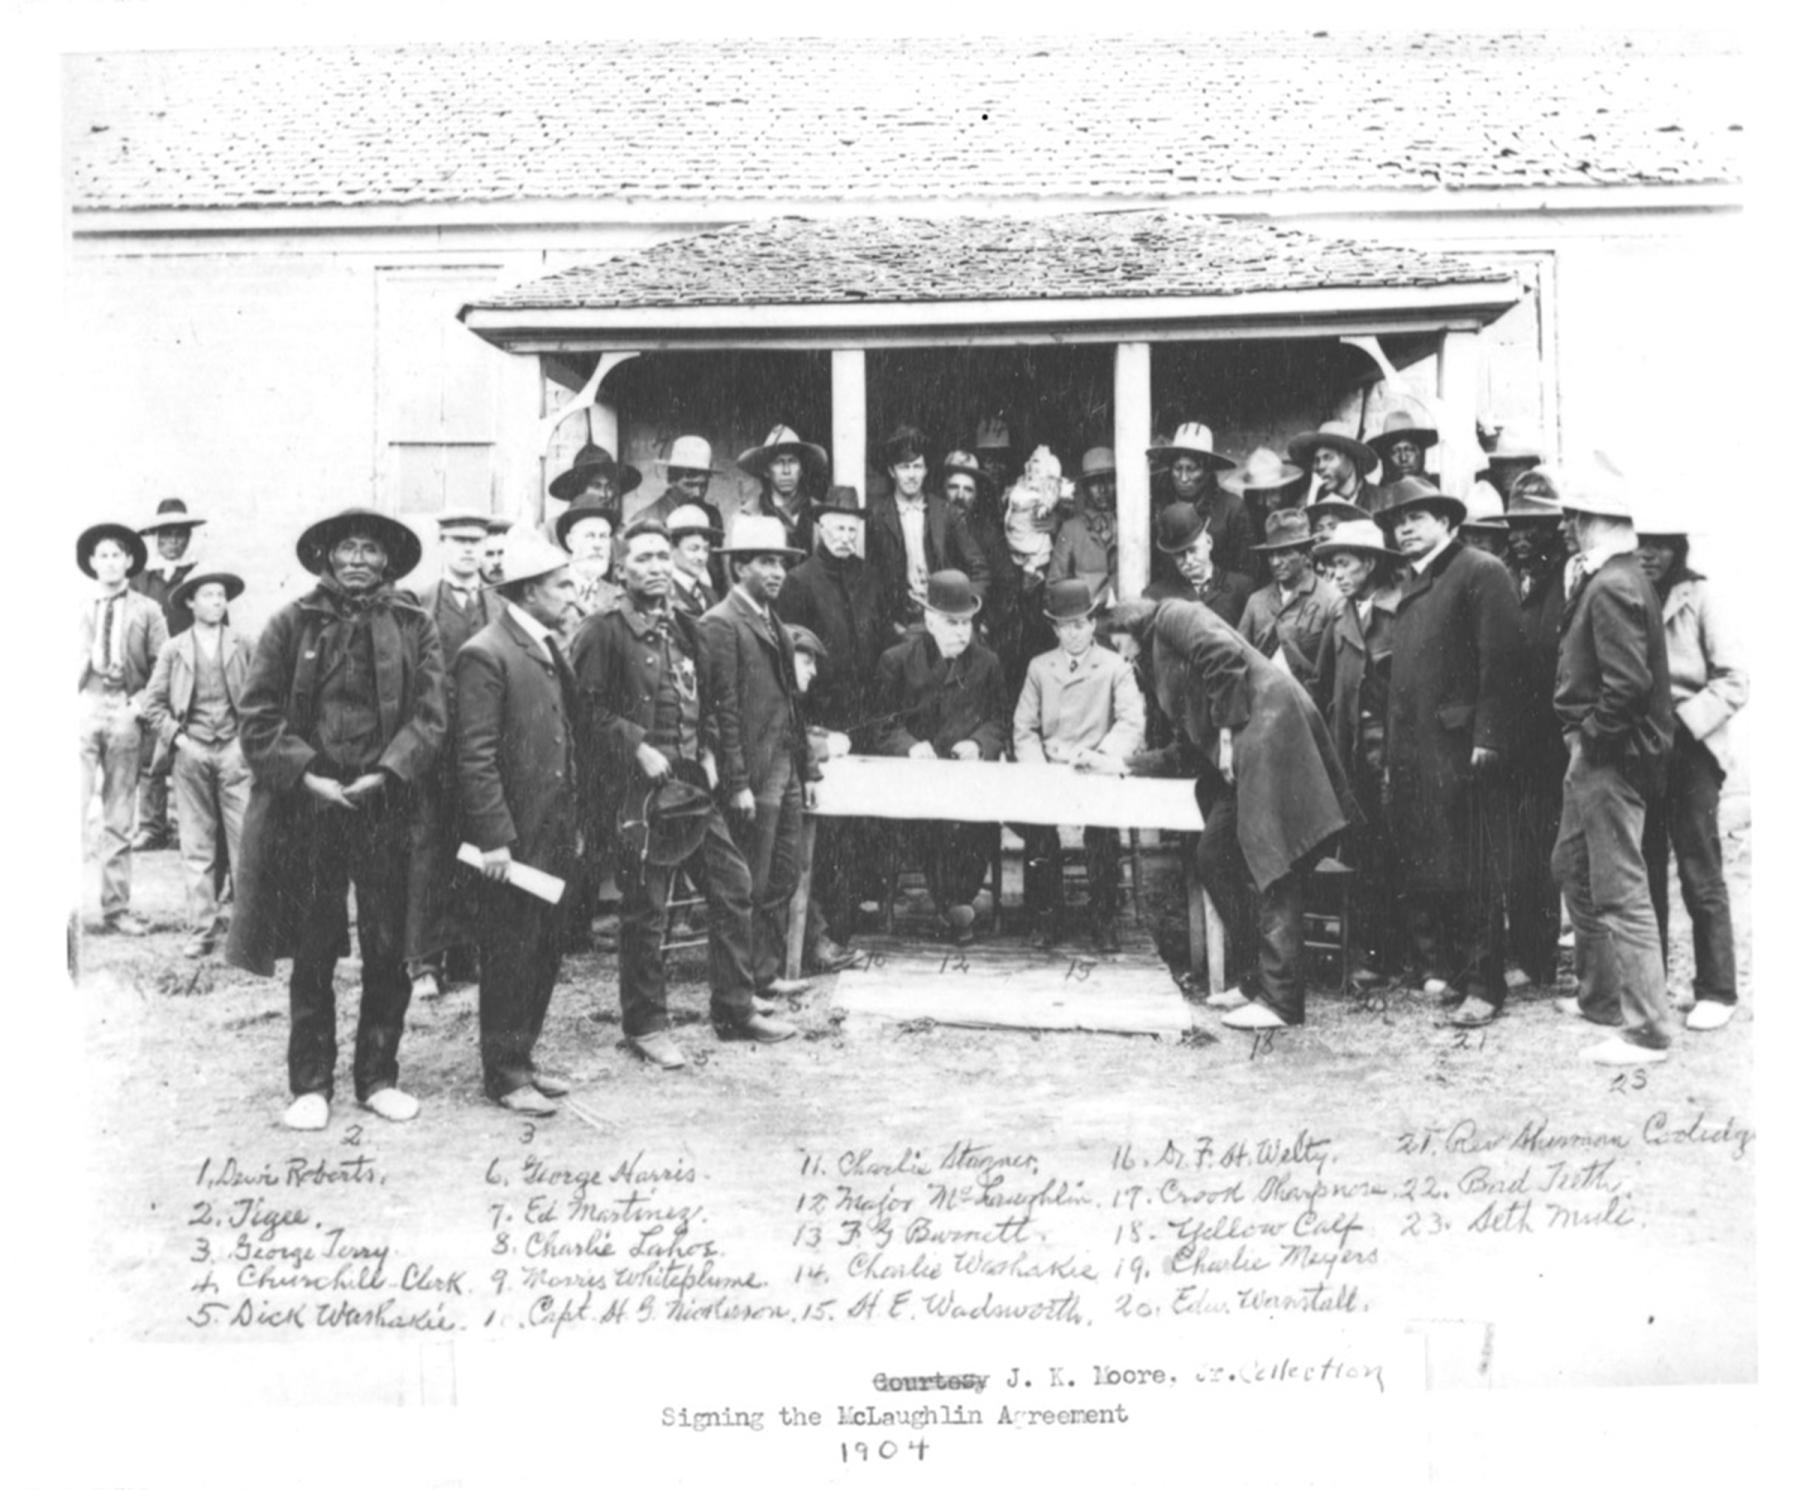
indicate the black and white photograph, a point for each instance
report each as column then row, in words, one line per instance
column 911, row 754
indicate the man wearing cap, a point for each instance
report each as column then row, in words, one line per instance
column 943, row 697
column 762, row 753
column 122, row 634
column 1614, row 704
column 692, row 537
column 172, row 530
column 191, row 706
column 1340, row 464
column 459, row 607
column 1081, row 707
column 1194, row 469
column 341, row 721
column 791, row 470
column 1401, row 445
column 914, row 533
column 650, row 722
column 518, row 797
column 1183, row 538
column 1291, row 615
column 1453, row 700
column 970, row 491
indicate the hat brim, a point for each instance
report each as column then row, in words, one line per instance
column 1184, row 545
column 673, row 465
column 711, row 535
column 1275, row 548
column 1531, row 519
column 1239, row 482
column 403, row 546
column 1302, row 450
column 1485, row 524
column 1423, row 438
column 780, row 551
column 1100, row 602
column 172, row 520
column 126, row 537
column 568, row 519
column 756, row 459
column 184, row 592
column 1159, row 455
column 982, row 480
column 573, row 482
column 955, row 615
column 1330, row 548
column 1440, row 502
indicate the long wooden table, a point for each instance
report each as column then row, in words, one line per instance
column 900, row 788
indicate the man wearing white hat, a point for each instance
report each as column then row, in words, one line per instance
column 1613, row 702
column 692, row 537
column 1401, row 445
column 689, row 472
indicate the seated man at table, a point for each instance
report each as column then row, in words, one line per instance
column 1080, row 706
column 942, row 696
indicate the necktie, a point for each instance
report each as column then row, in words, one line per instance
column 106, row 634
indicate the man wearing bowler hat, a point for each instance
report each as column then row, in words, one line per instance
column 943, row 697
column 791, row 472
column 1340, row 464
column 518, row 799
column 914, row 533
column 693, row 545
column 191, row 706
column 1183, row 538
column 651, row 730
column 172, row 531
column 1194, row 469
column 341, row 721
column 762, row 755
column 1291, row 615
column 122, row 634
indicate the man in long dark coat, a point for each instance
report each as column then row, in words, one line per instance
column 1270, row 791
column 1452, row 705
column 340, row 720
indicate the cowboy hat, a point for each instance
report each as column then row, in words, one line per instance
column 594, row 460
column 949, row 593
column 1344, row 512
column 691, row 518
column 1069, row 600
column 752, row 534
column 528, row 555
column 580, row 510
column 1517, row 445
column 1594, row 486
column 1400, row 426
column 1364, row 536
column 464, row 517
column 1410, row 492
column 126, row 538
column 806, row 640
column 183, row 593
column 172, row 512
column 1097, row 462
column 402, row 544
column 690, row 453
column 1191, row 439
column 962, row 463
column 670, row 824
column 839, row 501
column 1178, row 527
column 1333, row 434
column 1483, row 509
column 1288, row 528
column 783, row 441
column 1262, row 470
column 1657, row 516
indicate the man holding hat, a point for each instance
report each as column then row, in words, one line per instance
column 1340, row 464
column 122, row 634
column 692, row 537
column 791, row 470
column 172, row 530
column 943, row 697
column 914, row 533
column 1183, row 538
column 1291, row 615
column 1194, row 469
column 192, row 707
column 1614, row 704
column 518, row 796
column 1453, row 700
column 1081, row 706
column 1401, row 445
column 762, row 754
column 650, row 723
column 341, row 722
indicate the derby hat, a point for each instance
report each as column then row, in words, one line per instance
column 1262, row 470
column 752, row 534
column 949, row 593
column 183, row 593
column 840, row 501
column 1191, row 439
column 1178, row 527
column 962, row 463
column 1400, row 426
column 592, row 460
column 1483, row 509
column 1288, row 528
column 1364, row 536
column 465, row 517
column 1344, row 512
column 783, row 441
column 670, row 823
column 127, row 538
column 1594, row 486
column 689, row 453
column 691, row 518
column 806, row 640
column 402, row 544
column 580, row 510
column 527, row 554
column 1097, row 462
column 1069, row 600
column 993, row 434
column 1410, row 492
column 1333, row 434
column 171, row 512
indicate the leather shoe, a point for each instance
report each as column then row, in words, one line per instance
column 308, row 1113
column 529, row 1102
column 827, row 956
column 149, row 842
column 551, row 1086
column 787, row 988
column 759, row 1028
column 1710, row 1014
column 763, row 1005
column 1254, row 1016
column 393, row 1104
column 1047, row 933
column 128, row 924
column 1472, row 1011
column 197, row 947
column 659, row 1049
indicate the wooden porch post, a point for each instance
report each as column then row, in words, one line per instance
column 849, row 419
column 1131, row 438
column 1459, row 453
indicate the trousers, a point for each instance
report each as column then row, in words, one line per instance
column 954, row 856
column 212, row 789
column 366, row 849
column 111, row 743
column 769, row 839
column 1532, row 896
column 1686, row 817
column 1600, row 866
column 1043, row 869
column 1458, row 931
column 1265, row 930
column 519, row 938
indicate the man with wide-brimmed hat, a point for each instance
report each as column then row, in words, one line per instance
column 1185, row 542
column 693, row 541
column 943, row 697
column 518, row 799
column 1511, row 453
column 1617, row 713
column 914, row 533
column 791, row 472
column 122, row 634
column 1401, row 445
column 596, row 476
column 341, row 722
column 1340, row 464
column 1355, row 666
column 171, row 530
column 191, row 706
column 651, row 721
column 1291, row 615
column 586, row 528
column 762, row 755
column 1267, row 483
column 1194, row 471
column 1081, row 707
column 1452, row 705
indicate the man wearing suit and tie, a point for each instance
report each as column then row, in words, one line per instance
column 914, row 534
column 692, row 535
column 517, row 795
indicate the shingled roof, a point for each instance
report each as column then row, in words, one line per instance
column 945, row 119
column 870, row 260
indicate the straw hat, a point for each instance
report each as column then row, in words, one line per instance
column 690, row 518
column 183, row 593
column 171, row 512
column 528, row 555
column 1594, row 486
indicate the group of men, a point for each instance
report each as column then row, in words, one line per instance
column 1327, row 659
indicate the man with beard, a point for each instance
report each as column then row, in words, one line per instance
column 914, row 534
column 1453, row 702
column 1292, row 614
column 972, row 494
column 341, row 719
column 1340, row 464
column 1193, row 469
column 172, row 530
column 1183, row 538
column 790, row 470
column 692, row 536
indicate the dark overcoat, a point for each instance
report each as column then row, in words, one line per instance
column 1292, row 795
column 1539, row 754
column 1355, row 666
column 276, row 719
column 751, row 666
column 843, row 603
column 1612, row 674
column 1454, row 686
column 948, row 545
column 944, row 702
